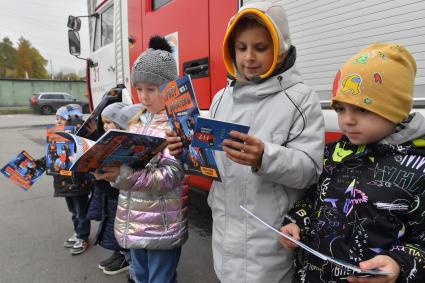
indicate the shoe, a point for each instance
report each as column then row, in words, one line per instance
column 118, row 265
column 110, row 259
column 70, row 242
column 79, row 247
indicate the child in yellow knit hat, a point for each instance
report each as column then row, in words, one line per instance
column 368, row 206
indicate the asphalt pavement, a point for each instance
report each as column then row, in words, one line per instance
column 34, row 225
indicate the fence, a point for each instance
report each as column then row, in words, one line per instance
column 16, row 92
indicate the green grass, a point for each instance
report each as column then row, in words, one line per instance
column 15, row 110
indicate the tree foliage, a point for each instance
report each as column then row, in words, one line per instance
column 7, row 58
column 30, row 63
column 25, row 61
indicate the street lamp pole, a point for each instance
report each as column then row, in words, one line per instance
column 51, row 69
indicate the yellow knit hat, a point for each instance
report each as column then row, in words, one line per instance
column 380, row 79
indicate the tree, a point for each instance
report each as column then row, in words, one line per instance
column 30, row 62
column 67, row 76
column 8, row 57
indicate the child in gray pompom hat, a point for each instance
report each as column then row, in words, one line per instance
column 158, row 185
column 158, row 58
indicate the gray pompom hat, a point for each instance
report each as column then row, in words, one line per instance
column 120, row 113
column 154, row 66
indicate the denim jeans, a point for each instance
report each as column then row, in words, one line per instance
column 155, row 266
column 78, row 208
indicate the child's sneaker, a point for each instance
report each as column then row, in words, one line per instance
column 110, row 259
column 118, row 265
column 70, row 242
column 79, row 247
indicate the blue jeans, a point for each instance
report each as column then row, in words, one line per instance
column 155, row 266
column 78, row 208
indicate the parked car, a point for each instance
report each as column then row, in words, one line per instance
column 48, row 102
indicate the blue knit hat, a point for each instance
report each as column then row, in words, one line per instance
column 69, row 111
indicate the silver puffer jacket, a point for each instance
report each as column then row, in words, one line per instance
column 152, row 211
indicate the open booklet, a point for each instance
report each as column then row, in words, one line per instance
column 183, row 112
column 115, row 146
column 23, row 170
column 210, row 133
column 342, row 263
column 112, row 96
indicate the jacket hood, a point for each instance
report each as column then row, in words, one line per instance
column 409, row 139
column 410, row 130
column 274, row 18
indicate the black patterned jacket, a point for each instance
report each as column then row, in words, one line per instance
column 370, row 200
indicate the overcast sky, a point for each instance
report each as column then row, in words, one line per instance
column 43, row 23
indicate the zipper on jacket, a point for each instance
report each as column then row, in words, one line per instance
column 128, row 219
column 145, row 128
column 164, row 211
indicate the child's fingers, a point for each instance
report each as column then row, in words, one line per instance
column 286, row 243
column 170, row 133
column 172, row 140
column 239, row 135
column 292, row 230
column 98, row 176
column 175, row 148
column 234, row 144
column 176, row 152
column 237, row 156
column 371, row 279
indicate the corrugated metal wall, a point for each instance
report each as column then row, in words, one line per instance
column 18, row 92
column 328, row 32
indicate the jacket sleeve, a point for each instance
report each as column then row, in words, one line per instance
column 303, row 210
column 162, row 174
column 298, row 163
column 409, row 252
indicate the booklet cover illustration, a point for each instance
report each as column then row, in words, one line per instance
column 22, row 170
column 183, row 112
column 113, row 95
column 58, row 151
column 354, row 268
column 210, row 133
column 118, row 146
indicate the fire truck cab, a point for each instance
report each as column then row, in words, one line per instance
column 325, row 33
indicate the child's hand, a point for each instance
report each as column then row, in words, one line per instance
column 91, row 127
column 381, row 262
column 108, row 173
column 248, row 152
column 292, row 230
column 174, row 143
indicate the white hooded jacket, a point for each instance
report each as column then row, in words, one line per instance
column 244, row 250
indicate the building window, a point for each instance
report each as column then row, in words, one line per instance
column 156, row 4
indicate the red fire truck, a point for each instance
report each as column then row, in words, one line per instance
column 323, row 32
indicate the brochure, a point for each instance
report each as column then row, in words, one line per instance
column 112, row 96
column 22, row 170
column 119, row 146
column 183, row 112
column 58, row 151
column 344, row 264
column 210, row 133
